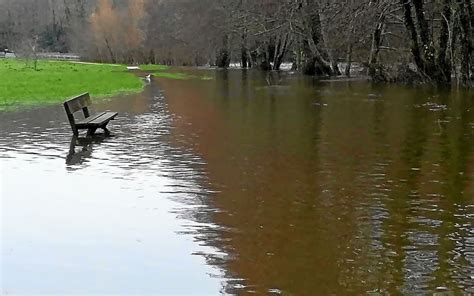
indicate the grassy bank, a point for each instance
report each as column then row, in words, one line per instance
column 162, row 71
column 54, row 81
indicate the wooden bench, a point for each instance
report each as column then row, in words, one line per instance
column 90, row 122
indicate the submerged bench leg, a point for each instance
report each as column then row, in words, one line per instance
column 106, row 131
column 91, row 131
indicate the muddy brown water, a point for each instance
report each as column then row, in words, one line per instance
column 244, row 184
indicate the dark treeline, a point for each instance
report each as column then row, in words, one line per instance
column 394, row 40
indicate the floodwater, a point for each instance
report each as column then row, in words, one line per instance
column 245, row 183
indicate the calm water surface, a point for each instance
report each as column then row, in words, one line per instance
column 100, row 217
column 244, row 184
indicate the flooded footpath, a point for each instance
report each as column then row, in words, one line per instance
column 108, row 216
column 246, row 183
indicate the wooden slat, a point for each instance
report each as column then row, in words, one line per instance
column 107, row 116
column 78, row 103
column 97, row 120
column 89, row 119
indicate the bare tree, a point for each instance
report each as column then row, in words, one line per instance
column 416, row 40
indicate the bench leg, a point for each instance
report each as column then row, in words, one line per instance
column 73, row 144
column 106, row 131
column 91, row 131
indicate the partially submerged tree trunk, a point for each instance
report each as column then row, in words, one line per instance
column 410, row 25
column 280, row 51
column 347, row 71
column 335, row 67
column 223, row 56
column 270, row 54
column 244, row 52
column 316, row 57
column 422, row 45
column 471, row 15
column 445, row 41
column 376, row 71
column 466, row 43
column 260, row 55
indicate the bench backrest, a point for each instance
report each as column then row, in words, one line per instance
column 78, row 103
column 75, row 104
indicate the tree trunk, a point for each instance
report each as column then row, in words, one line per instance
column 375, row 71
column 335, row 67
column 432, row 69
column 466, row 45
column 347, row 71
column 471, row 16
column 244, row 50
column 445, row 39
column 470, row 12
column 271, row 52
column 427, row 45
column 422, row 23
column 223, row 57
column 410, row 25
column 317, row 60
column 280, row 53
column 112, row 56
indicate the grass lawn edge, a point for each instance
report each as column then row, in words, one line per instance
column 56, row 81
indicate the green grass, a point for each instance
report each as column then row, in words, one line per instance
column 180, row 76
column 163, row 71
column 55, row 81
column 177, row 76
column 151, row 67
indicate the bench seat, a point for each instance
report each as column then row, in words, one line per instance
column 97, row 120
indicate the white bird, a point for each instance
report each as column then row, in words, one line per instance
column 148, row 78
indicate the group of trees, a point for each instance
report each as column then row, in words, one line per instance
column 393, row 39
column 30, row 26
